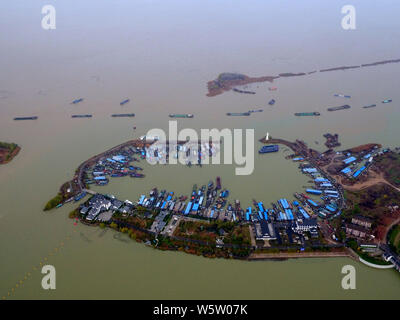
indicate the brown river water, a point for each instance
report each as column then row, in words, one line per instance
column 161, row 54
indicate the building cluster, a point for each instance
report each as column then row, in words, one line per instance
column 360, row 227
column 102, row 207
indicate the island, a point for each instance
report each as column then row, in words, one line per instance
column 349, row 207
column 8, row 151
column 229, row 81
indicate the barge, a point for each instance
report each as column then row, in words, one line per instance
column 184, row 115
column 305, row 114
column 81, row 116
column 238, row 114
column 346, row 106
column 269, row 149
column 341, row 95
column 77, row 101
column 370, row 106
column 119, row 115
column 26, row 118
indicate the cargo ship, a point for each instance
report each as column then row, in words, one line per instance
column 268, row 149
column 26, row 118
column 124, row 102
column 81, row 116
column 238, row 113
column 77, row 101
column 346, row 106
column 370, row 106
column 304, row 114
column 387, row 101
column 184, row 115
column 123, row 115
column 272, row 102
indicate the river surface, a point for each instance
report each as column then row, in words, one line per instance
column 161, row 54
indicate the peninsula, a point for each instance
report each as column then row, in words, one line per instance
column 324, row 220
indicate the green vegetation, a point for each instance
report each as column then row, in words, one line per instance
column 74, row 214
column 372, row 202
column 394, row 239
column 205, row 231
column 9, row 146
column 53, row 202
column 389, row 164
column 7, row 151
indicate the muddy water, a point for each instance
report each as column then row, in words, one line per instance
column 161, row 56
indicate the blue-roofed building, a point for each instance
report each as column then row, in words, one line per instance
column 346, row 170
column 349, row 160
column 359, row 171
